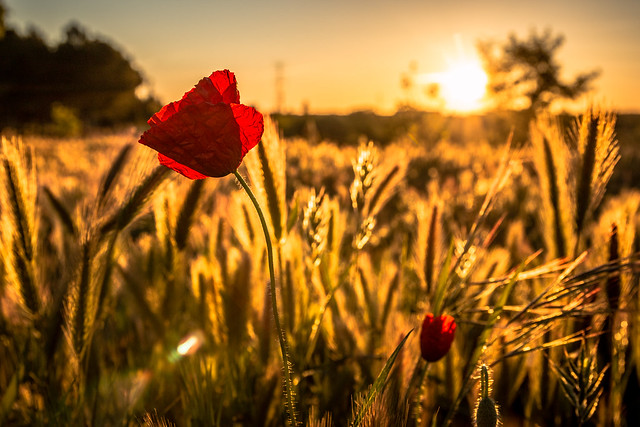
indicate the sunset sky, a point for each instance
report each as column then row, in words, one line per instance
column 340, row 55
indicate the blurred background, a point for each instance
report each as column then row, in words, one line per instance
column 321, row 58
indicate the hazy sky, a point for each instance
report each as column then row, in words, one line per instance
column 338, row 55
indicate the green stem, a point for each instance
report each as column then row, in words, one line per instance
column 282, row 338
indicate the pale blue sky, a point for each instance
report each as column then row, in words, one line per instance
column 340, row 55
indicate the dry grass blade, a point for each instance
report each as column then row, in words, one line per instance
column 545, row 270
column 523, row 340
column 553, row 284
column 491, row 286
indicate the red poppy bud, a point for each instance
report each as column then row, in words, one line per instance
column 436, row 336
column 207, row 132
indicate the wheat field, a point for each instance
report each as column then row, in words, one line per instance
column 133, row 296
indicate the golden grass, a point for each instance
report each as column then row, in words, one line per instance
column 132, row 296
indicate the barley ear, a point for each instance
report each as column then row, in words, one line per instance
column 133, row 205
column 266, row 166
column 18, row 204
column 599, row 153
column 384, row 187
column 551, row 160
column 78, row 307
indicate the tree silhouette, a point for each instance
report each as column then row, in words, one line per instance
column 84, row 74
column 525, row 74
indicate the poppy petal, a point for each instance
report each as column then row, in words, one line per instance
column 203, row 137
column 220, row 86
column 226, row 84
column 162, row 115
column 251, row 125
column 180, row 168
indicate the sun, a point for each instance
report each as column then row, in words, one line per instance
column 461, row 88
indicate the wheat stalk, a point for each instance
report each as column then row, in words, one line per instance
column 19, row 224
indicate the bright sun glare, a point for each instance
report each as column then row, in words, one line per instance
column 462, row 86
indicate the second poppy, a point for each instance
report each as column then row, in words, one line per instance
column 436, row 336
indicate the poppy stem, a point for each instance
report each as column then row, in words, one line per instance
column 282, row 338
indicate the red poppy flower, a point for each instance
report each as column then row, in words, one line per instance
column 436, row 336
column 207, row 132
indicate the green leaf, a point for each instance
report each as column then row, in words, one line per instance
column 443, row 279
column 378, row 385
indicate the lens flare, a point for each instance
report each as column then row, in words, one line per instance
column 187, row 346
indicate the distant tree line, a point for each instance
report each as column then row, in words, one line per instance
column 82, row 76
